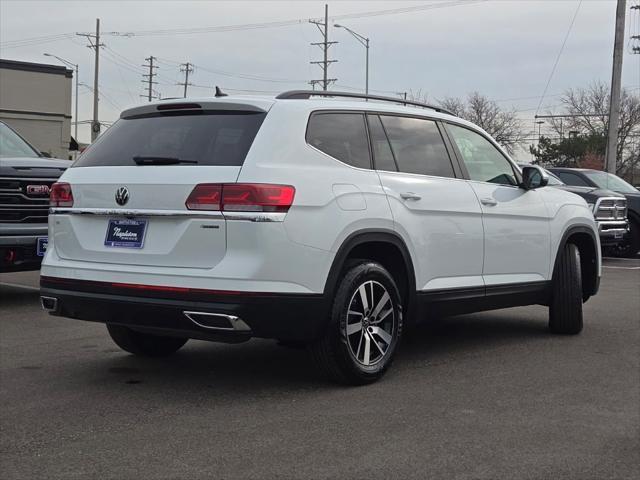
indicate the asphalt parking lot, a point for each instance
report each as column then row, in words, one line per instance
column 489, row 395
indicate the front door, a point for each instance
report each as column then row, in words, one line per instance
column 516, row 222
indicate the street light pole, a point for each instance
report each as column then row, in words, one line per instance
column 75, row 67
column 364, row 41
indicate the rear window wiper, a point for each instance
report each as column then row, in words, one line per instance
column 153, row 160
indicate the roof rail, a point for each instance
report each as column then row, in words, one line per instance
column 306, row 94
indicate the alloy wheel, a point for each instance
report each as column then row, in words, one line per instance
column 370, row 324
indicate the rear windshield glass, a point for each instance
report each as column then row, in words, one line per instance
column 211, row 138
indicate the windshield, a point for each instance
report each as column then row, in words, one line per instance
column 12, row 145
column 610, row 181
column 210, row 138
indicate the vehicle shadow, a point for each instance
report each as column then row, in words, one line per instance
column 261, row 367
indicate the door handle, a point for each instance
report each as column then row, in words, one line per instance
column 489, row 202
column 410, row 196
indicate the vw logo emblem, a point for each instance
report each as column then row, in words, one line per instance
column 122, row 196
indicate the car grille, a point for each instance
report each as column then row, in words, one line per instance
column 24, row 200
column 611, row 209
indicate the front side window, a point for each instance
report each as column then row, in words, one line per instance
column 483, row 160
column 573, row 179
column 341, row 135
column 418, row 146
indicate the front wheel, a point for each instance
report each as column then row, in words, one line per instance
column 565, row 310
column 364, row 328
column 144, row 344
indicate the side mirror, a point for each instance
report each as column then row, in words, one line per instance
column 533, row 177
column 45, row 154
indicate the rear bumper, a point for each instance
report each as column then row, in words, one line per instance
column 200, row 314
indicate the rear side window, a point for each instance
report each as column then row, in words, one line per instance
column 418, row 146
column 341, row 135
column 382, row 154
column 208, row 138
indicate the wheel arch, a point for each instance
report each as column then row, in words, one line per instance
column 587, row 242
column 384, row 246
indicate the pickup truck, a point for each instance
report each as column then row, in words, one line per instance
column 609, row 210
column 25, row 180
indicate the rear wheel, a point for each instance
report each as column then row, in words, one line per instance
column 364, row 328
column 565, row 310
column 144, row 344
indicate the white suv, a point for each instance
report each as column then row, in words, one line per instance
column 310, row 218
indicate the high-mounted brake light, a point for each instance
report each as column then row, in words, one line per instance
column 60, row 195
column 241, row 197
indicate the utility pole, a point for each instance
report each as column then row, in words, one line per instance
column 148, row 77
column 188, row 68
column 616, row 80
column 323, row 26
column 94, row 42
column 635, row 49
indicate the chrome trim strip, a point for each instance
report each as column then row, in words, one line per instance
column 237, row 324
column 255, row 216
column 246, row 216
column 135, row 212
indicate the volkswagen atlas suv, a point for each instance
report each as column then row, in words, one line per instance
column 311, row 217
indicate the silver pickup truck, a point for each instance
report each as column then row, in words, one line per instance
column 25, row 180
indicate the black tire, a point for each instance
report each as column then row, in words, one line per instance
column 144, row 344
column 630, row 246
column 335, row 353
column 565, row 309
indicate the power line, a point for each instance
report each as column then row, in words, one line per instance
column 30, row 41
column 564, row 42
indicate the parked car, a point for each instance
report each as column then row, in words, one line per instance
column 609, row 209
column 584, row 177
column 332, row 222
column 25, row 179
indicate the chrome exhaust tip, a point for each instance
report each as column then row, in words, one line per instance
column 218, row 321
column 50, row 304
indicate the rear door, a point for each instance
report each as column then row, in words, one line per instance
column 516, row 221
column 438, row 212
column 132, row 184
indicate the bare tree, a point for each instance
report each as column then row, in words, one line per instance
column 589, row 110
column 504, row 126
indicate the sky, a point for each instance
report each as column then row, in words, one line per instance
column 505, row 49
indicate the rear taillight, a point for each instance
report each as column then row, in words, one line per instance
column 205, row 196
column 241, row 197
column 61, row 195
column 257, row 197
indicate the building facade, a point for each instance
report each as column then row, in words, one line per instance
column 35, row 100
